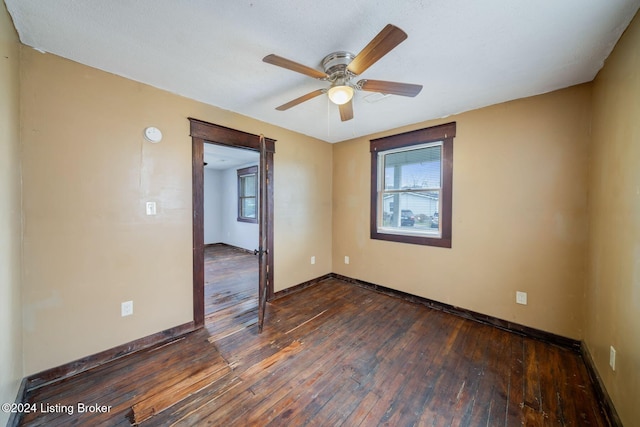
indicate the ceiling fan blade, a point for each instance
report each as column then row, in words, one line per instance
column 300, row 100
column 294, row 66
column 393, row 88
column 346, row 111
column 390, row 37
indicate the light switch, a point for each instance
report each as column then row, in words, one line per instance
column 151, row 208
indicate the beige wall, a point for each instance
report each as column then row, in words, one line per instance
column 10, row 222
column 519, row 215
column 303, row 211
column 88, row 172
column 613, row 286
column 522, row 178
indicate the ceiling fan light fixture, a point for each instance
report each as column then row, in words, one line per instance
column 340, row 94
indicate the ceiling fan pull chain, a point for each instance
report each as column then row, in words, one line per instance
column 328, row 120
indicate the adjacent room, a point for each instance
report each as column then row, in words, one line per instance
column 230, row 235
column 299, row 213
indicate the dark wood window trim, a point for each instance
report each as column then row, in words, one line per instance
column 444, row 133
column 251, row 170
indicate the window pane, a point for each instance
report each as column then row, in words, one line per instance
column 413, row 169
column 248, row 208
column 247, row 194
column 419, row 211
column 248, row 185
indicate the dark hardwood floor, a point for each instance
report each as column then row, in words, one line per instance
column 231, row 289
column 331, row 354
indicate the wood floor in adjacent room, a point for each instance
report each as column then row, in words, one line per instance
column 332, row 354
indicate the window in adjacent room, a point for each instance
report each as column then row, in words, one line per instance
column 411, row 186
column 248, row 194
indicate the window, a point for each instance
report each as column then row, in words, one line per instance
column 411, row 186
column 248, row 194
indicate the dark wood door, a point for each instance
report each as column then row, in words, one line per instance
column 263, row 251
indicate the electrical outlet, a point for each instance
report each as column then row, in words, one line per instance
column 313, row 260
column 521, row 298
column 346, row 259
column 612, row 358
column 126, row 309
column 151, row 208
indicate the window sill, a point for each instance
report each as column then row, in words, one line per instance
column 416, row 239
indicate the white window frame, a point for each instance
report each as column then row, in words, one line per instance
column 382, row 192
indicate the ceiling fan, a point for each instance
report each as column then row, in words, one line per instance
column 341, row 67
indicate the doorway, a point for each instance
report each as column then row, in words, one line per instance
column 231, row 233
column 201, row 133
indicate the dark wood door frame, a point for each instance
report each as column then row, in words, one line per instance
column 202, row 132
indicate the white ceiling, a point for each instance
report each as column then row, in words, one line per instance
column 467, row 54
column 220, row 157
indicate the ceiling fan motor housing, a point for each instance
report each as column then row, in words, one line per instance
column 335, row 65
